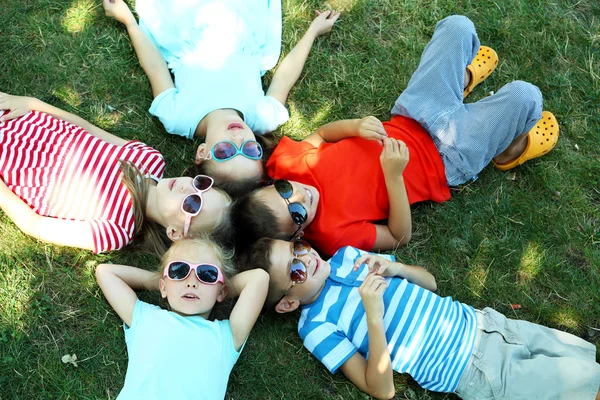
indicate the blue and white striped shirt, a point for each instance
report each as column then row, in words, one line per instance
column 429, row 337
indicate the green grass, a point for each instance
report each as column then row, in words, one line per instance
column 530, row 236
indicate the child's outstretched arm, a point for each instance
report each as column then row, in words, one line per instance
column 384, row 267
column 20, row 105
column 367, row 128
column 398, row 231
column 251, row 287
column 374, row 376
column 289, row 70
column 118, row 283
column 61, row 232
column 150, row 58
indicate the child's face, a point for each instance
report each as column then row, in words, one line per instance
column 305, row 195
column 170, row 195
column 317, row 271
column 191, row 296
column 229, row 128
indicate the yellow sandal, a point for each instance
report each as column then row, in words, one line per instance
column 541, row 139
column 481, row 67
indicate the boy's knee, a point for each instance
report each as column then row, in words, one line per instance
column 458, row 25
column 525, row 93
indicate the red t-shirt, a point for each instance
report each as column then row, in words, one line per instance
column 350, row 181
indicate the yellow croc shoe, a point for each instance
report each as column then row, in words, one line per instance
column 481, row 67
column 541, row 139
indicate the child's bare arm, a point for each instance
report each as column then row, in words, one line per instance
column 150, row 58
column 375, row 375
column 394, row 159
column 51, row 230
column 384, row 267
column 289, row 70
column 368, row 128
column 21, row 105
column 251, row 287
column 118, row 283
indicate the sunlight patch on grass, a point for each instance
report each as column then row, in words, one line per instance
column 79, row 16
column 477, row 279
column 15, row 296
column 567, row 319
column 68, row 95
column 531, row 263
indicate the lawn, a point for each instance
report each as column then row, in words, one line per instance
column 526, row 242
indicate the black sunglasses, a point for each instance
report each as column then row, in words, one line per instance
column 297, row 211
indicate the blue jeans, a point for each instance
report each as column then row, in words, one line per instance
column 467, row 136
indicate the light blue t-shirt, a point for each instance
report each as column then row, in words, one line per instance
column 176, row 357
column 217, row 50
column 429, row 337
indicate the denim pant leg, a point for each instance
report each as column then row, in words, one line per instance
column 473, row 134
column 437, row 85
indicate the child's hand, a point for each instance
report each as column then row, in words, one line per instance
column 324, row 21
column 371, row 292
column 371, row 128
column 377, row 265
column 394, row 157
column 118, row 10
column 18, row 105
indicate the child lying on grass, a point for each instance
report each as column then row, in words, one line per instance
column 180, row 353
column 338, row 187
column 367, row 315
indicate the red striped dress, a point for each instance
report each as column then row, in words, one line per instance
column 62, row 171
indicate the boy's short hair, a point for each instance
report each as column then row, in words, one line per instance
column 234, row 187
column 258, row 255
column 254, row 219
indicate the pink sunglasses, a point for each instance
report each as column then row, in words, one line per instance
column 206, row 273
column 192, row 204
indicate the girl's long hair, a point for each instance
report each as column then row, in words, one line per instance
column 149, row 236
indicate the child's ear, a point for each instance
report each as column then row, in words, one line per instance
column 162, row 288
column 174, row 234
column 202, row 154
column 285, row 305
column 222, row 294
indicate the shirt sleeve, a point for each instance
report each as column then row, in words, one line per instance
column 165, row 107
column 229, row 352
column 140, row 310
column 270, row 113
column 109, row 236
column 327, row 344
column 147, row 159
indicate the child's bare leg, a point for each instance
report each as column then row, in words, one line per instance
column 513, row 151
column 467, row 78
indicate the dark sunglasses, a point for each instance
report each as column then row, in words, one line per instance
column 297, row 211
column 298, row 270
column 226, row 150
column 192, row 204
column 206, row 273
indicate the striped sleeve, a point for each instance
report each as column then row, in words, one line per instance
column 147, row 159
column 108, row 235
column 328, row 344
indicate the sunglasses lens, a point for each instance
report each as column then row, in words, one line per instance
column 203, row 182
column 298, row 271
column 301, row 247
column 192, row 204
column 252, row 149
column 207, row 273
column 224, row 150
column 284, row 188
column 298, row 213
column 178, row 270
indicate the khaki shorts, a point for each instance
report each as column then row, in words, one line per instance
column 519, row 360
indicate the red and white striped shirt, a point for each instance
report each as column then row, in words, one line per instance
column 62, row 171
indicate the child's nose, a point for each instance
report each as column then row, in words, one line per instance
column 298, row 196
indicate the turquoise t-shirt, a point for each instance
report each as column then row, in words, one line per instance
column 176, row 357
column 217, row 51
